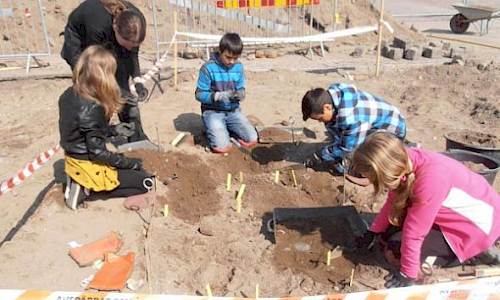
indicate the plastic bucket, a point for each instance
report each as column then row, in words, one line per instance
column 452, row 142
column 492, row 165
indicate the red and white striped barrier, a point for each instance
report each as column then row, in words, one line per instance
column 28, row 170
column 478, row 289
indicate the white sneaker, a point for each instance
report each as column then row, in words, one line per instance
column 74, row 193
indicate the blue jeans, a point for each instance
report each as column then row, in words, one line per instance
column 221, row 125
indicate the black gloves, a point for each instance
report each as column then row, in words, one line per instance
column 366, row 241
column 237, row 96
column 313, row 161
column 124, row 129
column 134, row 163
column 398, row 279
column 142, row 92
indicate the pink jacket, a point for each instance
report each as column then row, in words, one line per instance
column 462, row 203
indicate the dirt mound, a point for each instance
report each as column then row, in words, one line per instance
column 191, row 188
column 476, row 139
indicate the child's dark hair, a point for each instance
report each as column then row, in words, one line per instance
column 313, row 101
column 130, row 23
column 232, row 43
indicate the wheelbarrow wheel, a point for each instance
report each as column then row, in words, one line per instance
column 459, row 24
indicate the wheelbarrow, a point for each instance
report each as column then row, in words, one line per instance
column 467, row 14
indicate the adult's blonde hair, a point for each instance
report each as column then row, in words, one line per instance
column 94, row 78
column 383, row 159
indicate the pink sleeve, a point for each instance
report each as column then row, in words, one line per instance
column 429, row 191
column 381, row 222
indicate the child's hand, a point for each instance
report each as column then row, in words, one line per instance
column 237, row 96
column 224, row 96
column 366, row 241
column 398, row 279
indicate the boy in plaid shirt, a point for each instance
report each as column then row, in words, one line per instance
column 350, row 115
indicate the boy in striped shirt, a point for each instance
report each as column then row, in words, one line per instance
column 220, row 89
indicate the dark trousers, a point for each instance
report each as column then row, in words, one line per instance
column 131, row 183
column 434, row 245
column 130, row 114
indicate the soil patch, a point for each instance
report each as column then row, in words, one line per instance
column 475, row 167
column 191, row 187
column 273, row 134
column 302, row 245
column 476, row 139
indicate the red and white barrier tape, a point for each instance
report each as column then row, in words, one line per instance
column 28, row 170
column 477, row 289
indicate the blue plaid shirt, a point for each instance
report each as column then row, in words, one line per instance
column 357, row 114
column 214, row 77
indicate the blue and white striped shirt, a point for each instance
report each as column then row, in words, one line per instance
column 214, row 77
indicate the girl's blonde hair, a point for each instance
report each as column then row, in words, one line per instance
column 94, row 78
column 383, row 159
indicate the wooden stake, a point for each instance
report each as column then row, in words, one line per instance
column 228, row 182
column 175, row 50
column 352, row 278
column 178, row 139
column 241, row 177
column 165, row 210
column 328, row 257
column 257, row 291
column 238, row 198
column 294, row 179
column 209, row 290
column 277, row 176
column 377, row 66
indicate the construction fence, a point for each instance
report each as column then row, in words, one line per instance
column 23, row 33
column 250, row 18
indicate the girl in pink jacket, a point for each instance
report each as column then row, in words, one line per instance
column 440, row 207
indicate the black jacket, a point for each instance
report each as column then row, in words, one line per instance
column 83, row 128
column 91, row 24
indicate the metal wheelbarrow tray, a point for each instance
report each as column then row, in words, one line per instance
column 467, row 14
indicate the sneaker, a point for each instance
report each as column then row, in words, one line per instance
column 74, row 193
column 490, row 256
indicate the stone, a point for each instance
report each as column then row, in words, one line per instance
column 259, row 54
column 410, row 54
column 394, row 53
column 382, row 45
column 400, row 43
column 307, row 285
column 358, row 52
column 484, row 66
column 432, row 44
column 271, row 53
column 428, row 52
column 189, row 53
column 413, row 28
column 457, row 51
column 457, row 59
column 446, row 46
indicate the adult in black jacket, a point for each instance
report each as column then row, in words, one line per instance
column 120, row 27
column 84, row 113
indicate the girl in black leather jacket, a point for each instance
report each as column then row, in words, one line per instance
column 120, row 27
column 84, row 113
